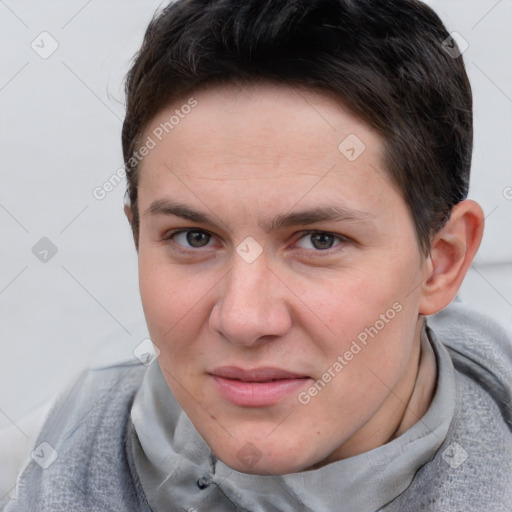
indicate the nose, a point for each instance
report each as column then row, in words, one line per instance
column 252, row 306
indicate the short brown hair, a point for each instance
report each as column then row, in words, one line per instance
column 384, row 60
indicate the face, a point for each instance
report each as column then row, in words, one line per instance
column 279, row 272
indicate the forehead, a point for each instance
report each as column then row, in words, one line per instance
column 264, row 120
column 262, row 142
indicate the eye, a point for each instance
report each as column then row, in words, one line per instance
column 191, row 238
column 319, row 240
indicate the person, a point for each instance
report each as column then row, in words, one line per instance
column 297, row 189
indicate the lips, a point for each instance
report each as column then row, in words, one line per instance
column 256, row 387
column 256, row 375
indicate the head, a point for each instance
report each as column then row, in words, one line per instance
column 297, row 181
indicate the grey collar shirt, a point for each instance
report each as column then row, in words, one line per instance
column 175, row 465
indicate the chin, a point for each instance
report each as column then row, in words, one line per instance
column 250, row 459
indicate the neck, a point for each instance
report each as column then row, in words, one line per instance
column 424, row 387
column 406, row 405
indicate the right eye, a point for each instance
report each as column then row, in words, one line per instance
column 191, row 238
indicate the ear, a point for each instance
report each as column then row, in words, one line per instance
column 131, row 216
column 128, row 212
column 451, row 252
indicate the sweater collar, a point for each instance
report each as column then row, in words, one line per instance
column 175, row 465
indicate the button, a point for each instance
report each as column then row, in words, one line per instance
column 203, row 482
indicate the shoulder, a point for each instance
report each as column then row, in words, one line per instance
column 481, row 349
column 79, row 459
column 471, row 470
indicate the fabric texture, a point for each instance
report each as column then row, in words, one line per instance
column 87, row 434
column 92, row 434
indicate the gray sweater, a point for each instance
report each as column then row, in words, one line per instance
column 84, row 460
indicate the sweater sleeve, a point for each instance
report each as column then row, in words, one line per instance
column 16, row 443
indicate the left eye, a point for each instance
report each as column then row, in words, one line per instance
column 192, row 238
column 319, row 241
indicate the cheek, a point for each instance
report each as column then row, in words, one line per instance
column 367, row 364
column 348, row 304
column 369, row 316
column 173, row 301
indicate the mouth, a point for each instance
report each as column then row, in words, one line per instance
column 258, row 387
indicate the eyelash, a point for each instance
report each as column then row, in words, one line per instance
column 343, row 240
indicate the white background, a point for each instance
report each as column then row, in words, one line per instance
column 60, row 126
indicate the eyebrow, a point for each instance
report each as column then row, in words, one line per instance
column 303, row 218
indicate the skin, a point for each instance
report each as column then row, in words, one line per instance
column 242, row 157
